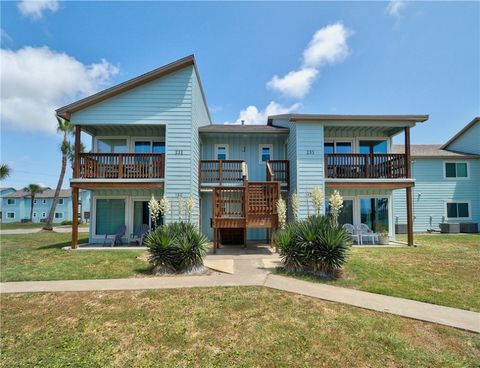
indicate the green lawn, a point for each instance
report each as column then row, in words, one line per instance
column 443, row 270
column 40, row 257
column 27, row 225
column 218, row 327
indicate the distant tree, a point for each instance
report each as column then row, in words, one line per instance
column 4, row 171
column 65, row 128
column 33, row 189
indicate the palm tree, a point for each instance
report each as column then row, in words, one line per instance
column 4, row 171
column 66, row 128
column 33, row 189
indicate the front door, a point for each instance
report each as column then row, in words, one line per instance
column 141, row 215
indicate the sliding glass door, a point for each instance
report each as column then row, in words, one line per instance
column 110, row 214
column 346, row 213
column 374, row 213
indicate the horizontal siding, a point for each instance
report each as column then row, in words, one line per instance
column 309, row 165
column 469, row 141
column 431, row 191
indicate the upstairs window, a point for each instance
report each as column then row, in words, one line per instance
column 10, row 201
column 149, row 147
column 458, row 210
column 373, row 146
column 60, row 200
column 221, row 151
column 112, row 146
column 456, row 170
column 265, row 151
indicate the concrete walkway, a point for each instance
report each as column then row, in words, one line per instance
column 256, row 272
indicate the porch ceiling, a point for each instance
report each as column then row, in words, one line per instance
column 361, row 131
column 125, row 130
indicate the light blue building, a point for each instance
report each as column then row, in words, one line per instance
column 16, row 206
column 153, row 136
column 447, row 182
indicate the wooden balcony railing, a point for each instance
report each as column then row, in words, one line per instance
column 121, row 166
column 218, row 172
column 365, row 166
column 278, row 170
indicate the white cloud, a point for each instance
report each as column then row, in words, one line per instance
column 327, row 46
column 36, row 81
column 252, row 116
column 394, row 7
column 35, row 8
column 294, row 84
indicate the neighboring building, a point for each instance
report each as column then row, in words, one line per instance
column 16, row 206
column 153, row 135
column 447, row 188
column 3, row 192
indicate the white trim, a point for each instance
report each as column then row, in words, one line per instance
column 445, row 162
column 386, row 180
column 260, row 147
column 11, row 218
column 469, row 206
column 227, row 150
column 116, row 180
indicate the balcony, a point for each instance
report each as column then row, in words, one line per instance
column 218, row 172
column 278, row 170
column 120, row 166
column 366, row 166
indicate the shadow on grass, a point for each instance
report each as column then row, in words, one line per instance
column 61, row 245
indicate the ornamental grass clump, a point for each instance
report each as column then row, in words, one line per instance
column 178, row 247
column 315, row 246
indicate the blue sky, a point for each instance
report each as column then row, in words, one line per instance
column 394, row 58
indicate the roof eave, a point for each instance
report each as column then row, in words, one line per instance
column 461, row 132
column 66, row 111
column 385, row 118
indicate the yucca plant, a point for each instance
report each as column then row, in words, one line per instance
column 331, row 250
column 176, row 247
column 292, row 255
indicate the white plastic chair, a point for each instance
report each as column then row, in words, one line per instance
column 365, row 232
column 350, row 229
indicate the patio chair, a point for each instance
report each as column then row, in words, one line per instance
column 117, row 237
column 140, row 234
column 350, row 229
column 365, row 232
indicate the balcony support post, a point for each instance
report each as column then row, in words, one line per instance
column 76, row 156
column 408, row 189
column 75, row 191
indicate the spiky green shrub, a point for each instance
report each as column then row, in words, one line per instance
column 177, row 247
column 314, row 245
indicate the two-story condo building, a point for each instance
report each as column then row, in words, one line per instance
column 153, row 135
column 447, row 183
column 16, row 205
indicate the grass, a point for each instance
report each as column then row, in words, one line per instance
column 443, row 270
column 218, row 327
column 27, row 225
column 40, row 256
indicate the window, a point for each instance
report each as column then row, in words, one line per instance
column 346, row 213
column 59, row 215
column 112, row 146
column 44, row 215
column 456, row 170
column 34, row 214
column 265, row 152
column 110, row 214
column 10, row 201
column 149, row 147
column 458, row 210
column 373, row 146
column 44, row 201
column 337, row 147
column 10, row 215
column 60, row 200
column 221, row 151
column 34, row 201
column 374, row 213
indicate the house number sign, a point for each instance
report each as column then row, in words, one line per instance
column 310, row 152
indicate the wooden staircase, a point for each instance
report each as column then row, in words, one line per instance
column 252, row 205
